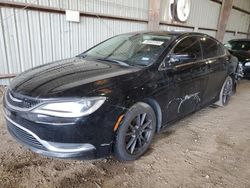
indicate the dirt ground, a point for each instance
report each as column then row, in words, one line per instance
column 207, row 149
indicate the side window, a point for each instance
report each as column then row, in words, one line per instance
column 211, row 48
column 189, row 46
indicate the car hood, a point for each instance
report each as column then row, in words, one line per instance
column 241, row 55
column 60, row 78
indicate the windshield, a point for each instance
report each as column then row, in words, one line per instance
column 140, row 49
column 238, row 45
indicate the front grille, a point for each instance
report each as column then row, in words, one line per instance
column 20, row 101
column 24, row 136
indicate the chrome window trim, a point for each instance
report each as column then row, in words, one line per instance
column 198, row 61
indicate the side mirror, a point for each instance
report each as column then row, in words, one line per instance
column 175, row 59
column 181, row 58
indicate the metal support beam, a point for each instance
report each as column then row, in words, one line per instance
column 4, row 76
column 225, row 11
column 154, row 14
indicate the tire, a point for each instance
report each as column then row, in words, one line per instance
column 226, row 92
column 135, row 133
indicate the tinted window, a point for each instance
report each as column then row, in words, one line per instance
column 239, row 45
column 189, row 46
column 211, row 48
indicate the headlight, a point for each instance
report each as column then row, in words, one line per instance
column 247, row 64
column 73, row 108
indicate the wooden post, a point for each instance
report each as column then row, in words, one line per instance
column 225, row 11
column 154, row 14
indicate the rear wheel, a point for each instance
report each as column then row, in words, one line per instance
column 226, row 92
column 135, row 133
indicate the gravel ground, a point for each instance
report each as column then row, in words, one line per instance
column 207, row 149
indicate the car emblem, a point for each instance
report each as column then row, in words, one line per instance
column 15, row 99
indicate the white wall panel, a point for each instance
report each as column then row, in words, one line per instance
column 11, row 39
column 243, row 4
column 204, row 13
column 24, row 39
column 125, row 8
column 3, row 49
column 230, row 36
column 56, row 39
column 5, row 82
column 238, row 21
column 211, row 33
column 31, row 38
column 35, row 38
column 174, row 28
column 45, row 28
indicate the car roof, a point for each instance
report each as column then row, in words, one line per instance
column 174, row 33
column 240, row 40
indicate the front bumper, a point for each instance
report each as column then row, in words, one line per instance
column 88, row 137
column 51, row 149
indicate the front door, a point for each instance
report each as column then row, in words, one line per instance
column 188, row 78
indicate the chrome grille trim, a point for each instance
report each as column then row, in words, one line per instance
column 22, row 109
column 24, row 129
column 50, row 146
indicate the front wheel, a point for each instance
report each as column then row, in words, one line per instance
column 226, row 92
column 135, row 133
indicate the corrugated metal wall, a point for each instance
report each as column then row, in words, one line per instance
column 229, row 36
column 174, row 28
column 243, row 4
column 127, row 8
column 31, row 38
column 238, row 21
column 205, row 14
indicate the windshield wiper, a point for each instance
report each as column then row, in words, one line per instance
column 114, row 61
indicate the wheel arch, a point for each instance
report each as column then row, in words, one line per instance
column 157, row 109
column 232, row 75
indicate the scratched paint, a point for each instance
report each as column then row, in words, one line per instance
column 194, row 96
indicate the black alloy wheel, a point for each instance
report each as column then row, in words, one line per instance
column 227, row 91
column 135, row 133
column 138, row 133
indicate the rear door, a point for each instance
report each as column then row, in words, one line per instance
column 215, row 57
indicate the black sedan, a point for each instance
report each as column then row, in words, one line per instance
column 112, row 98
column 241, row 49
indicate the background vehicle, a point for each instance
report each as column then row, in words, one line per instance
column 241, row 49
column 116, row 95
